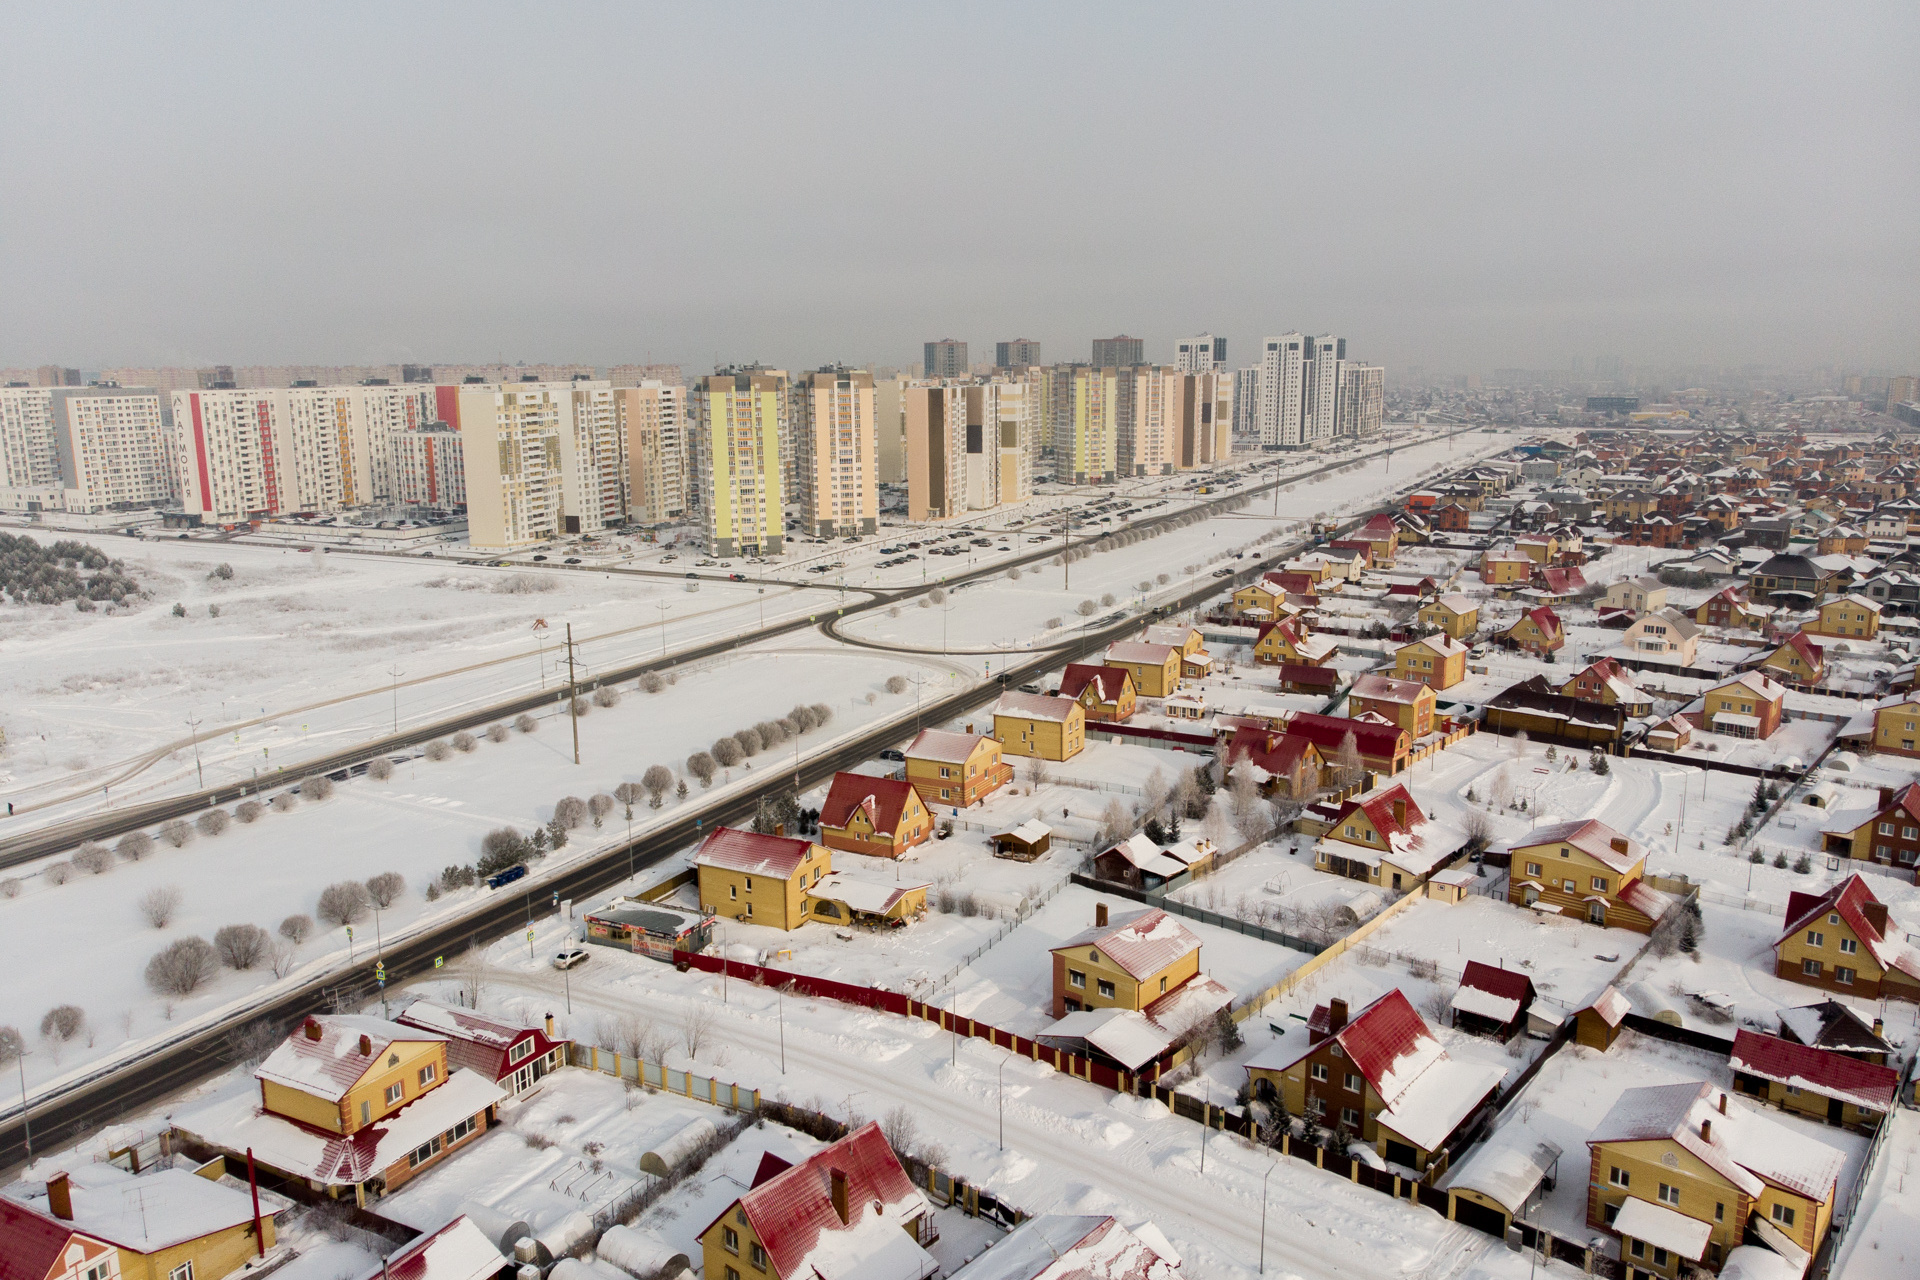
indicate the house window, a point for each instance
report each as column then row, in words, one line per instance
column 1783, row 1215
column 1719, row 1212
column 1533, row 868
column 1317, row 1071
column 757, row 1256
column 1163, row 986
column 1608, row 1212
column 1842, row 974
column 1659, row 1256
column 396, row 1091
column 366, row 1112
column 420, row 1155
column 461, row 1130
column 1810, row 968
column 1669, row 1194
column 1599, row 884
column 1350, row 1117
column 1815, row 938
column 1638, row 1248
column 1353, row 1082
column 1833, row 918
column 1618, row 1177
column 1848, row 946
column 729, row 1239
column 1106, row 989
column 182, row 1272
column 1075, row 978
column 517, row 1054
column 428, row 1074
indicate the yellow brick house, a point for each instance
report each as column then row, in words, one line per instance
column 1587, row 870
column 1034, row 725
column 1439, row 661
column 1457, row 615
column 1852, row 616
column 1125, row 961
column 1155, row 668
column 758, row 878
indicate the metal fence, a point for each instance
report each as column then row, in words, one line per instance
column 1021, row 914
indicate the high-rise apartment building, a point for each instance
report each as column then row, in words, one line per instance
column 1203, row 354
column 359, row 421
column 1282, row 407
column 1015, row 355
column 634, row 375
column 1086, row 442
column 946, row 358
column 1246, row 402
column 1118, row 353
column 1902, row 390
column 737, row 422
column 834, row 426
column 112, row 448
column 594, row 467
column 53, row 375
column 890, row 428
column 429, row 467
column 240, row 461
column 541, row 460
column 1363, row 398
column 1322, row 379
column 652, row 419
column 936, row 451
column 27, row 457
column 968, row 447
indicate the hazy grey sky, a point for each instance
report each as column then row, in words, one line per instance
column 1460, row 186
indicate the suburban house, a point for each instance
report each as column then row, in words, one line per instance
column 1155, row 668
column 1139, row 862
column 1289, row 642
column 1607, row 682
column 783, row 882
column 1835, row 1027
column 1890, row 836
column 1195, row 661
column 1506, row 568
column 460, row 1250
column 1896, row 727
column 1383, row 747
column 881, row 817
column 1790, row 579
column 1383, row 1077
column 1406, row 703
column 1377, row 838
column 1850, row 615
column 1729, row 608
column 1816, row 1083
column 1439, row 661
column 1533, row 707
column 1798, row 661
column 1321, row 681
column 956, row 769
column 1642, row 595
column 1292, row 763
column 1671, row 734
column 1062, row 1246
column 1684, row 1172
column 1587, row 870
column 351, row 1105
column 1842, row 941
column 1106, row 694
column 1382, row 537
column 1125, row 961
column 1537, row 632
column 1457, row 616
column 849, row 1209
column 1492, row 1001
column 512, row 1057
column 1747, row 706
column 102, row 1223
column 1032, row 724
column 1540, row 550
column 1666, row 635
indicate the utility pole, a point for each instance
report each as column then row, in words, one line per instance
column 1066, row 559
column 573, row 696
column 396, row 673
column 194, row 725
column 663, row 606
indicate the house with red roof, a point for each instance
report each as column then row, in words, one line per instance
column 1061, row 1246
column 1378, row 838
column 1588, row 871
column 1492, row 1001
column 1127, row 960
column 1797, row 661
column 1608, row 683
column 1406, row 703
column 1383, row 747
column 42, row 1246
column 1538, row 632
column 1292, row 642
column 784, row 882
column 102, row 1221
column 1291, row 764
column 1107, row 693
column 956, row 769
column 1816, row 1083
column 1843, row 941
column 1382, row 538
column 514, row 1057
column 848, row 1210
column 1383, row 1078
column 1890, row 835
column 880, row 817
column 1557, row 582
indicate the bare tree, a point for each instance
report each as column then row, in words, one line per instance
column 1039, row 774
column 750, row 741
column 12, row 1045
column 158, row 905
column 10, row 887
column 438, row 749
column 774, row 732
column 570, row 812
column 213, row 822
column 280, row 956
column 652, row 682
column 93, row 859
column 379, row 768
column 525, row 723
column 63, row 1022
column 344, row 903
column 134, row 846
column 1116, row 823
column 698, row 1027
column 938, row 595
column 241, row 946
column 475, row 975
column 498, row 733
column 176, row 832
column 285, row 802
column 822, row 713
column 701, row 765
column 629, row 1033
column 802, row 718
column 1477, row 827
column 386, row 888
column 606, row 696
column 464, row 741
column 658, row 780
column 1189, row 797
column 580, row 707
column 249, row 810
column 727, row 752
column 896, row 684
column 1216, row 827
column 1106, row 600
column 182, row 967
column 900, row 1127
column 1520, row 744
column 1500, row 790
column 296, row 928
column 57, row 872
column 1086, row 608
column 600, row 804
column 1349, row 765
column 317, row 789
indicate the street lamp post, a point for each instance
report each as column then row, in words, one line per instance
column 1003, row 1107
column 194, row 725
column 663, row 606
column 396, row 673
column 1263, row 1215
column 26, row 1120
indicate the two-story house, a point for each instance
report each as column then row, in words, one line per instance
column 1842, row 941
column 1155, row 668
column 880, row 817
column 1457, row 615
column 1588, row 871
column 758, row 878
column 1383, row 748
column 1195, row 661
column 1851, row 615
column 1105, row 693
column 1538, row 632
column 1406, row 703
column 1293, row 765
column 1890, row 835
column 1797, row 661
column 1609, row 683
column 955, row 769
column 1291, row 643
column 1642, row 594
column 514, row 1057
column 101, row 1222
column 1438, row 660
column 1896, row 726
column 1665, row 635
column 1378, row 837
column 1730, row 609
column 1043, row 728
column 1506, row 568
column 1747, row 706
column 1383, row 1077
column 1126, row 960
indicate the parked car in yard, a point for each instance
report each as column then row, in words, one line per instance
column 570, row 958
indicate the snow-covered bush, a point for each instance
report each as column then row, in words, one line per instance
column 497, row 733
column 379, row 768
column 525, row 723
column 296, row 928
column 438, row 749
column 464, row 741
column 1086, row 608
column 386, row 888
column 318, row 788
column 134, row 846
column 606, row 696
column 241, row 946
column 571, row 811
column 727, row 752
column 701, row 765
column 600, row 804
column 580, row 707
column 749, row 740
column 285, row 802
column 12, row 1044
column 93, row 859
column 183, row 967
column 343, row 903
column 249, row 810
column 62, row 1022
column 658, row 779
column 213, row 822
column 896, row 684
column 176, row 832
column 652, row 682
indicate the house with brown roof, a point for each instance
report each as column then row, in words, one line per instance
column 1889, row 836
column 1383, row 1078
column 1588, row 871
column 880, row 817
column 1292, row 764
column 1747, row 706
column 1729, row 608
column 1492, row 1001
column 1379, row 838
column 1537, row 632
column 1382, row 538
column 513, row 1057
column 1383, row 748
column 1608, row 683
column 1406, row 703
column 1291, row 642
column 1836, row 1028
column 849, row 1209
column 1851, row 615
column 1843, row 941
column 1816, row 1083
column 1127, row 960
column 1105, row 693
column 1436, row 660
column 1665, row 635
column 955, row 769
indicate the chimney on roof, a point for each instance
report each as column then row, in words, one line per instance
column 1880, row 1028
column 1886, row 796
column 1399, row 813
column 312, row 1028
column 1336, row 1016
column 1619, row 844
column 779, row 828
column 1876, row 915
column 969, row 727
column 1723, row 1102
column 1706, row 1126
column 1100, row 915
column 839, row 1177
column 549, row 1026
column 60, row 1197
column 366, row 1046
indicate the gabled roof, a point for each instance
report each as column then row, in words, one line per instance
column 1763, row 688
column 1611, row 1006
column 793, row 1213
column 145, row 1213
column 752, row 853
column 32, row 1243
column 1589, row 835
column 1379, row 526
column 328, row 1065
column 1847, row 900
column 1036, row 706
column 1494, row 993
column 1442, row 644
column 1814, row 655
column 1831, row 1025
column 1141, row 942
column 1378, row 806
column 1381, row 688
column 1390, row 1044
column 474, row 1041
column 1857, row 601
column 1831, row 1075
column 1328, row 732
column 458, row 1251
column 1059, row 1246
column 1457, row 603
column 1544, row 618
column 883, row 800
column 1107, row 682
column 1279, row 754
column 1742, row 1145
column 1154, row 655
column 946, row 747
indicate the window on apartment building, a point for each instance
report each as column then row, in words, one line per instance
column 1618, row 1177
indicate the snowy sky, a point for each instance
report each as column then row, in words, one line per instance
column 1463, row 186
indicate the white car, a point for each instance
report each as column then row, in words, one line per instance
column 570, row 958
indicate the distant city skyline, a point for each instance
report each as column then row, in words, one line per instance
column 1693, row 185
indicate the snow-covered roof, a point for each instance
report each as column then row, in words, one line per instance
column 1663, row 1228
column 328, row 1053
column 943, row 746
column 752, row 853
column 1499, row 994
column 458, row 1251
column 1381, row 688
column 1847, row 899
column 1129, row 1038
column 148, row 1212
column 1032, row 831
column 1867, row 1085
column 1059, row 1246
column 1589, row 835
column 1507, row 1168
column 794, row 1216
column 1153, row 655
column 1739, row 1143
column 1141, row 942
column 864, row 893
column 1186, row 1006
column 1457, row 603
column 1443, row 1094
column 1831, row 1025
column 1035, row 706
column 468, row 1024
column 1612, row 1006
column 1752, row 1262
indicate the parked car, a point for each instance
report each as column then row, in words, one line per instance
column 894, row 754
column 571, row 958
column 539, row 557
column 571, row 560
column 737, row 577
column 692, row 574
